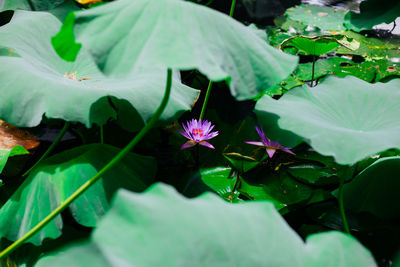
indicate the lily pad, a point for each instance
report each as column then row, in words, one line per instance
column 206, row 231
column 221, row 181
column 61, row 175
column 379, row 187
column 323, row 17
column 370, row 71
column 372, row 12
column 39, row 82
column 319, row 170
column 284, row 86
column 286, row 24
column 371, row 48
column 344, row 117
column 322, row 67
column 314, row 174
column 262, row 184
column 170, row 33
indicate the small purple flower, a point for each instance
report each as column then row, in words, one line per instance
column 198, row 132
column 270, row 146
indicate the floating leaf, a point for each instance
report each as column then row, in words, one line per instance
column 61, row 175
column 379, row 187
column 262, row 184
column 319, row 170
column 343, row 117
column 370, row 71
column 322, row 67
column 275, row 36
column 314, row 174
column 39, row 82
column 170, row 33
column 220, row 180
column 372, row 12
column 284, row 86
column 323, row 17
column 287, row 24
column 371, row 48
column 140, row 226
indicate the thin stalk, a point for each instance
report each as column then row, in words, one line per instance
column 312, row 72
column 51, row 147
column 101, row 135
column 236, row 183
column 31, row 5
column 96, row 177
column 203, row 109
column 196, row 156
column 341, row 206
column 209, row 2
column 233, row 5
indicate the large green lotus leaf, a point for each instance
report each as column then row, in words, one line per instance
column 36, row 83
column 372, row 12
column 325, row 18
column 379, row 187
column 370, row 71
column 346, row 118
column 371, row 48
column 5, row 154
column 201, row 232
column 59, row 176
column 130, row 35
column 29, row 4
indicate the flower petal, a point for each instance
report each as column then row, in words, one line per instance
column 287, row 150
column 184, row 134
column 211, row 135
column 262, row 135
column 207, row 144
column 254, row 143
column 271, row 152
column 188, row 144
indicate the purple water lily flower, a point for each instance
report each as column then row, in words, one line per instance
column 198, row 132
column 270, row 146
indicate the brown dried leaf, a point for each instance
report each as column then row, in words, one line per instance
column 11, row 136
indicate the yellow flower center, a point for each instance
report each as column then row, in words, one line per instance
column 197, row 132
